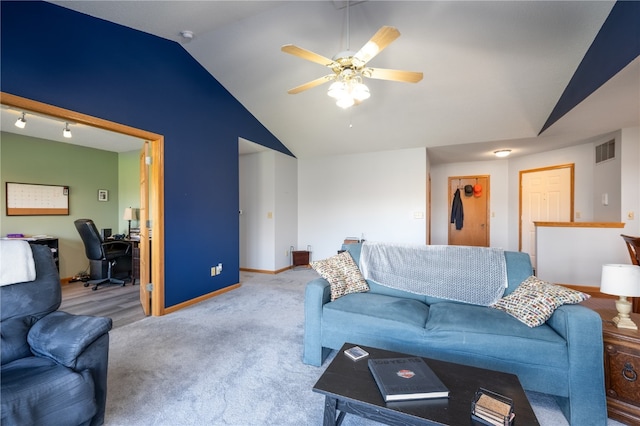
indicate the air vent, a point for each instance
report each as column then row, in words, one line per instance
column 605, row 151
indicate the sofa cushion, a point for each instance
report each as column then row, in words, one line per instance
column 342, row 273
column 363, row 313
column 492, row 333
column 534, row 301
column 27, row 397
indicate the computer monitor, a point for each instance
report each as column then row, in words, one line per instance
column 106, row 233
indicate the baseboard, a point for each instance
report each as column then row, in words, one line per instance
column 590, row 290
column 183, row 305
column 265, row 271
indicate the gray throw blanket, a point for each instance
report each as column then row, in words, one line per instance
column 476, row 275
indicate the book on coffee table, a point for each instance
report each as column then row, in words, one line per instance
column 402, row 379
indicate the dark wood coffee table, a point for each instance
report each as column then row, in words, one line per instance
column 349, row 387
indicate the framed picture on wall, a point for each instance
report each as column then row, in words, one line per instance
column 103, row 195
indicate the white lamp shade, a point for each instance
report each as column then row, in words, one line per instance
column 129, row 214
column 620, row 280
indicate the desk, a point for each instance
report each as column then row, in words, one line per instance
column 50, row 242
column 135, row 258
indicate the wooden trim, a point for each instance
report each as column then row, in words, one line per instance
column 191, row 302
column 156, row 181
column 17, row 211
column 581, row 224
column 157, row 178
column 590, row 290
column 265, row 271
column 69, row 115
column 487, row 193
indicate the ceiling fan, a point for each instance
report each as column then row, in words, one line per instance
column 349, row 68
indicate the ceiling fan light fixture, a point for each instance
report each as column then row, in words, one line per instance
column 21, row 122
column 345, row 102
column 501, row 153
column 361, row 92
column 337, row 89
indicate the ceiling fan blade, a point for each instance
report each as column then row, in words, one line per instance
column 311, row 84
column 306, row 54
column 393, row 75
column 379, row 41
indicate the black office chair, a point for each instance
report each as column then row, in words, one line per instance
column 103, row 252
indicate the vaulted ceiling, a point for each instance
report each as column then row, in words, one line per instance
column 493, row 71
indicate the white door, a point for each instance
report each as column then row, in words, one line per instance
column 546, row 196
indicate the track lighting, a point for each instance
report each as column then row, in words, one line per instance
column 66, row 132
column 21, row 122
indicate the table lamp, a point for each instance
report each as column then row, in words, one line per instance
column 129, row 215
column 623, row 281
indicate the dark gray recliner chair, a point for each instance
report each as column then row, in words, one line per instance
column 53, row 364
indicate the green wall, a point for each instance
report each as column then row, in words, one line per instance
column 84, row 170
column 128, row 186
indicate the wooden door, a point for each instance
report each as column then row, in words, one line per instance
column 546, row 195
column 475, row 225
column 145, row 295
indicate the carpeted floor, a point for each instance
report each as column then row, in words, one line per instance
column 231, row 360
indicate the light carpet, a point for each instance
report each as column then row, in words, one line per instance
column 235, row 359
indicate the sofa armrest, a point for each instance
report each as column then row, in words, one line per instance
column 581, row 327
column 317, row 293
column 63, row 337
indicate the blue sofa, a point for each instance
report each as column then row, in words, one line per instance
column 54, row 364
column 563, row 357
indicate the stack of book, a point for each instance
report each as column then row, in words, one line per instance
column 490, row 408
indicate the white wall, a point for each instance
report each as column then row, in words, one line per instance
column 571, row 255
column 630, row 179
column 582, row 156
column 607, row 180
column 286, row 209
column 268, row 201
column 498, row 199
column 376, row 195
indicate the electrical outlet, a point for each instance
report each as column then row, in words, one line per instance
column 286, row 253
column 219, row 268
column 214, row 272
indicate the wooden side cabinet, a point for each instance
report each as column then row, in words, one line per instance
column 621, row 369
column 300, row 258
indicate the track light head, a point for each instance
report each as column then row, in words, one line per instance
column 21, row 122
column 66, row 132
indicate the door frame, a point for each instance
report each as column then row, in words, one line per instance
column 156, row 182
column 486, row 191
column 571, row 167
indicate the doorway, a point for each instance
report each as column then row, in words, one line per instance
column 546, row 195
column 474, row 192
column 155, row 254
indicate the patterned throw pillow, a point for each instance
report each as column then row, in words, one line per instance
column 534, row 301
column 342, row 273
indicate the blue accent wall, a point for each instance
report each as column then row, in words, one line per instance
column 74, row 61
column 616, row 45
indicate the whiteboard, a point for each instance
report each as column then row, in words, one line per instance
column 27, row 199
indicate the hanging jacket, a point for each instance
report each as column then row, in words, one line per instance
column 457, row 215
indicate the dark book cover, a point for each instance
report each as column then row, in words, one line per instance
column 401, row 379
